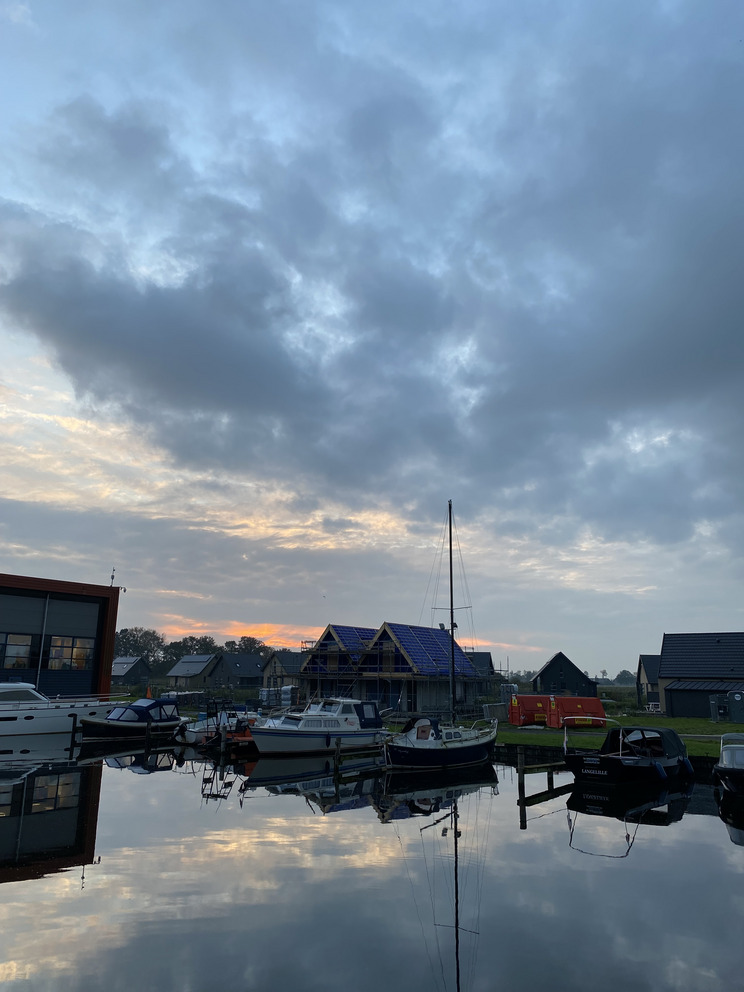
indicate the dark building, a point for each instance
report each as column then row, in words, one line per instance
column 217, row 671
column 57, row 635
column 561, row 677
column 130, row 671
column 695, row 667
column 647, row 680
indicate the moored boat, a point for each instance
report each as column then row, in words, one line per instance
column 323, row 727
column 427, row 744
column 631, row 754
column 25, row 710
column 140, row 720
column 729, row 769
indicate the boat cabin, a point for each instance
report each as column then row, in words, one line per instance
column 646, row 742
column 145, row 711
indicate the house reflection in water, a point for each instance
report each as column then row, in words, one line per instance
column 48, row 817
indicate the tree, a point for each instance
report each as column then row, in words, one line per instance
column 624, row 678
column 176, row 650
column 136, row 642
column 249, row 645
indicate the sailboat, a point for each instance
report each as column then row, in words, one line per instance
column 428, row 743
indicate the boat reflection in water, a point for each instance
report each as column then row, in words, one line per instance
column 48, row 807
column 633, row 805
column 731, row 811
column 363, row 782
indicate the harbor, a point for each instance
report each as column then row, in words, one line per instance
column 293, row 872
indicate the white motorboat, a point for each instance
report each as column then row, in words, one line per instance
column 326, row 726
column 25, row 710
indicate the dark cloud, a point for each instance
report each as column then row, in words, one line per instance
column 496, row 254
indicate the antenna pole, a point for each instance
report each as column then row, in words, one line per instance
column 452, row 617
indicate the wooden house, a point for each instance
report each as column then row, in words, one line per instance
column 560, row 677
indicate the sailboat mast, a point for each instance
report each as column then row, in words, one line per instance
column 452, row 617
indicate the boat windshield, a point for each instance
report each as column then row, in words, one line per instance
column 22, row 695
column 733, row 757
column 123, row 713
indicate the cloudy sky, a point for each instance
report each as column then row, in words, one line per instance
column 278, row 279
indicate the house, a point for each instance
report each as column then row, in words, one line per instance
column 560, row 677
column 222, row 670
column 647, row 680
column 130, row 671
column 399, row 665
column 238, row 671
column 192, row 672
column 483, row 664
column 283, row 668
column 695, row 667
column 58, row 635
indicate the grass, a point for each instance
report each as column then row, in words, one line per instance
column 690, row 729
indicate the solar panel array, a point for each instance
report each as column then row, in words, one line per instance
column 429, row 649
column 354, row 639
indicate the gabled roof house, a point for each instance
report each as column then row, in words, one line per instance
column 694, row 667
column 129, row 671
column 398, row 665
column 561, row 677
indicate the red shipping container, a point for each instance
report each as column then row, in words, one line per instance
column 526, row 711
column 585, row 711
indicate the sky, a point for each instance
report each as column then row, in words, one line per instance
column 278, row 280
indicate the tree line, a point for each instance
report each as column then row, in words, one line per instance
column 161, row 654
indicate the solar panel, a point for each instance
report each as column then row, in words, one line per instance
column 429, row 650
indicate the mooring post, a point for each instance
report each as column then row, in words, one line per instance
column 520, row 789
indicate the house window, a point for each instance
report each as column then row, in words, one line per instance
column 71, row 653
column 15, row 650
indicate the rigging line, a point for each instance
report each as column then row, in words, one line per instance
column 437, row 558
column 421, row 922
column 481, row 848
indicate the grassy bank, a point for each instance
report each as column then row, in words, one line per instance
column 701, row 736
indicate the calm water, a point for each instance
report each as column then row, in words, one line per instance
column 199, row 885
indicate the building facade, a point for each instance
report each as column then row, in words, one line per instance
column 57, row 635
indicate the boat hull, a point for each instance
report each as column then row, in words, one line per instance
column 616, row 769
column 109, row 730
column 731, row 779
column 55, row 718
column 270, row 740
column 433, row 758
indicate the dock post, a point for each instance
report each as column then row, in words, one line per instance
column 520, row 789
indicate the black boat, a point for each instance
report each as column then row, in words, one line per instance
column 632, row 754
column 141, row 720
column 729, row 769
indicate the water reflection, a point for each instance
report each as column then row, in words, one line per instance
column 297, row 875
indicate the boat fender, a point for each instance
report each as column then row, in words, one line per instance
column 688, row 767
column 660, row 771
column 328, row 740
